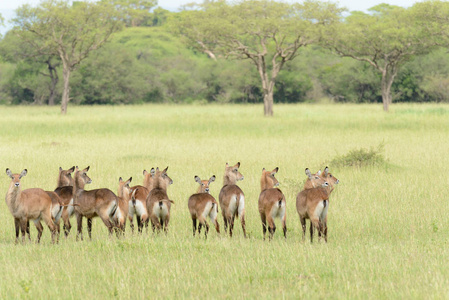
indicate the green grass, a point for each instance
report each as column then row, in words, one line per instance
column 388, row 224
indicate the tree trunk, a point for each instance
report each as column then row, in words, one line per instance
column 387, row 81
column 66, row 91
column 267, row 88
column 54, row 81
column 51, row 99
column 268, row 103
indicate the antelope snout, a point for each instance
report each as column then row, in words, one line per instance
column 207, row 190
column 337, row 181
column 277, row 184
column 17, row 184
column 242, row 178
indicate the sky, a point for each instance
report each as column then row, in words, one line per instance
column 7, row 7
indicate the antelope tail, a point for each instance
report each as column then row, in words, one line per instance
column 280, row 201
column 161, row 202
column 113, row 210
column 59, row 214
column 133, row 197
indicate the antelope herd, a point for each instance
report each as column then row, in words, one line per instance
column 150, row 203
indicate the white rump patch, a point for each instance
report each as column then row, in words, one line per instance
column 320, row 210
column 160, row 212
column 278, row 211
column 232, row 205
column 70, row 208
column 324, row 212
column 55, row 211
column 138, row 210
column 213, row 213
column 241, row 205
column 207, row 210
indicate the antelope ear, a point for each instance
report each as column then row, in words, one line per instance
column 275, row 170
column 145, row 172
column 212, row 179
column 120, row 179
column 9, row 173
column 76, row 168
column 86, row 169
column 263, row 170
column 197, row 179
column 129, row 180
column 227, row 165
column 326, row 171
column 308, row 173
column 24, row 172
column 165, row 170
column 238, row 165
column 318, row 173
column 72, row 169
column 153, row 171
column 60, row 169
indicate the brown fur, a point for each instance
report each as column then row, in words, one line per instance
column 29, row 204
column 90, row 204
column 65, row 193
column 121, row 213
column 271, row 202
column 200, row 202
column 228, row 193
column 141, row 193
column 308, row 200
column 65, row 177
column 313, row 180
column 158, row 203
column 57, row 209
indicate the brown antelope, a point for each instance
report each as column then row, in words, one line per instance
column 64, row 190
column 313, row 180
column 232, row 198
column 138, row 206
column 272, row 203
column 313, row 204
column 30, row 204
column 332, row 181
column 202, row 205
column 93, row 203
column 56, row 212
column 158, row 203
column 121, row 213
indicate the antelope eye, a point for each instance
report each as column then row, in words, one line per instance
column 330, row 175
column 316, row 177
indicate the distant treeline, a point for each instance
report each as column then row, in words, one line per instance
column 145, row 62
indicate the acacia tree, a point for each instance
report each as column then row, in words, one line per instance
column 432, row 17
column 134, row 12
column 70, row 32
column 34, row 53
column 269, row 33
column 385, row 38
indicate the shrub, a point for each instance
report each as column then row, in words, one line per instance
column 361, row 158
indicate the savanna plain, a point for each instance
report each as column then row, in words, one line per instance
column 388, row 223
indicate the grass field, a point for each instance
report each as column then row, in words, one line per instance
column 388, row 225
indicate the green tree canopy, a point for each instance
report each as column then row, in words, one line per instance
column 70, row 32
column 269, row 33
column 385, row 38
column 134, row 12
